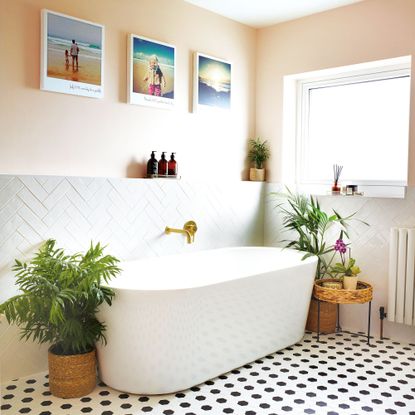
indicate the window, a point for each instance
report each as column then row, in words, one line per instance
column 355, row 116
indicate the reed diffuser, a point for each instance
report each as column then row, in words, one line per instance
column 337, row 170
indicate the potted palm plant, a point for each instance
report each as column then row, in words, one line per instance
column 258, row 154
column 309, row 225
column 59, row 298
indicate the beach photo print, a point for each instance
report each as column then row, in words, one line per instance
column 72, row 55
column 212, row 83
column 151, row 72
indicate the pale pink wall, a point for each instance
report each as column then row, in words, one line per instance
column 51, row 133
column 365, row 31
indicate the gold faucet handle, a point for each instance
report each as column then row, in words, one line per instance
column 191, row 227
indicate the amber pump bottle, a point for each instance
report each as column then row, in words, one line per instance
column 172, row 166
column 163, row 165
column 152, row 165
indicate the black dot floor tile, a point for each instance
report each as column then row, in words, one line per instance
column 339, row 376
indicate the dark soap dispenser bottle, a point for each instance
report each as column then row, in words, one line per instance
column 172, row 166
column 163, row 165
column 152, row 165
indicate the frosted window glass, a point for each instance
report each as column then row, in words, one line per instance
column 363, row 126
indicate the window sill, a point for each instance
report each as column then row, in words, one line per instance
column 379, row 191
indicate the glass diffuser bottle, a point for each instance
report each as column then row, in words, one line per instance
column 337, row 170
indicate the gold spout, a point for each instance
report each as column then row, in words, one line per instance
column 189, row 229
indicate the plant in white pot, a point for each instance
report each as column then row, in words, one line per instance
column 347, row 270
column 258, row 154
column 59, row 298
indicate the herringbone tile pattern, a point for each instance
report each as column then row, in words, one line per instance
column 127, row 214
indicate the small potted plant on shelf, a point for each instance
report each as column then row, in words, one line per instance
column 60, row 295
column 347, row 270
column 258, row 154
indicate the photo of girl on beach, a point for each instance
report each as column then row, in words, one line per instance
column 151, row 72
column 154, row 77
column 72, row 55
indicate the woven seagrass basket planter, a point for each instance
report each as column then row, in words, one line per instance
column 72, row 376
column 362, row 294
column 329, row 297
column 256, row 175
column 328, row 316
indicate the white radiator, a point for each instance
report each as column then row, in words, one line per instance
column 401, row 290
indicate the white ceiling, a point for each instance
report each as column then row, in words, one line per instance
column 261, row 13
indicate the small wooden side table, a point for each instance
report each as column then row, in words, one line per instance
column 362, row 294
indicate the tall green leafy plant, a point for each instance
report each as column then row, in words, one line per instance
column 259, row 152
column 60, row 296
column 304, row 216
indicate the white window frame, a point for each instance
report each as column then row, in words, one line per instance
column 295, row 118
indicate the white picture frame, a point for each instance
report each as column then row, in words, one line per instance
column 147, row 58
column 212, row 83
column 72, row 55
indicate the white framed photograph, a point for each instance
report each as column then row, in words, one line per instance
column 212, row 83
column 151, row 72
column 72, row 55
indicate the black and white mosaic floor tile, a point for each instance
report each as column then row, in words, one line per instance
column 340, row 375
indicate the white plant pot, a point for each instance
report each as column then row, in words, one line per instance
column 349, row 283
column 256, row 175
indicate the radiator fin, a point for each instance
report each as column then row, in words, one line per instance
column 401, row 284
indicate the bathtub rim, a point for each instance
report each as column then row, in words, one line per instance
column 302, row 262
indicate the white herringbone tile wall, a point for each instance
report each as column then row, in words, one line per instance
column 127, row 214
column 369, row 244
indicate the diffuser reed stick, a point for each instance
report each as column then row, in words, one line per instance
column 337, row 171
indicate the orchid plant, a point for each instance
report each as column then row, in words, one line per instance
column 347, row 267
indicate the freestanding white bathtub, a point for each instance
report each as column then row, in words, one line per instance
column 177, row 321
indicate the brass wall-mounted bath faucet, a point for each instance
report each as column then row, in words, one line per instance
column 189, row 229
